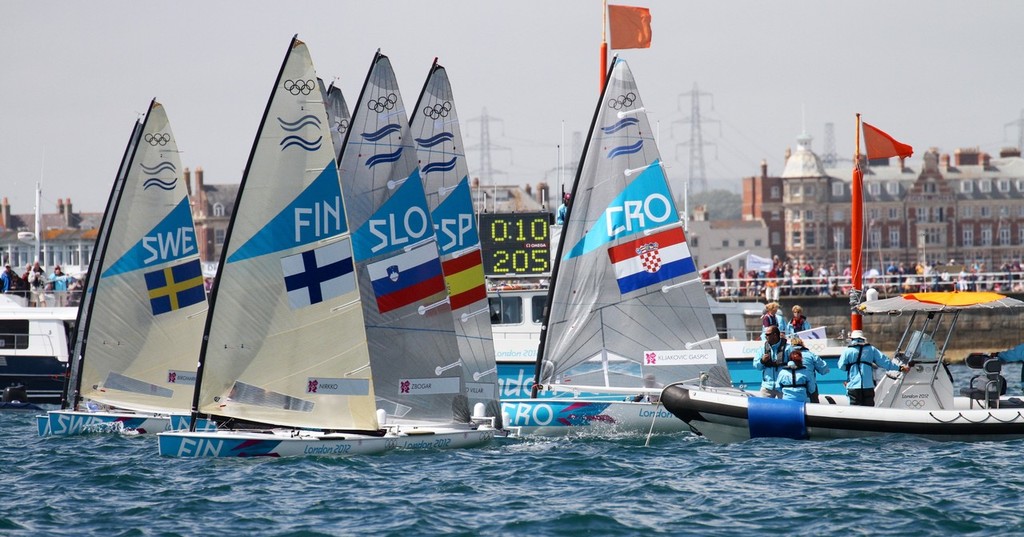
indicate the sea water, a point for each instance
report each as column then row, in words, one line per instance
column 679, row 484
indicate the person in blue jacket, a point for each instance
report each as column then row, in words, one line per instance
column 1016, row 354
column 859, row 361
column 793, row 381
column 769, row 359
column 814, row 364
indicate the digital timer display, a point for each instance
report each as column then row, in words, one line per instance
column 515, row 243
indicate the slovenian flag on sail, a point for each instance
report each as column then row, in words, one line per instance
column 406, row 278
column 176, row 287
column 319, row 274
column 465, row 277
column 650, row 260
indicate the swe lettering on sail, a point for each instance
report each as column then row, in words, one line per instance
column 323, row 219
column 170, row 245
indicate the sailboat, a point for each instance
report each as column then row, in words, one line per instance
column 414, row 353
column 917, row 400
column 627, row 313
column 442, row 163
column 284, row 368
column 140, row 321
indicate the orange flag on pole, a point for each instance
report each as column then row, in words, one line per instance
column 881, row 145
column 630, row 27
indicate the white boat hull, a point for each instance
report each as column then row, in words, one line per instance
column 561, row 416
column 730, row 416
column 297, row 443
column 72, row 422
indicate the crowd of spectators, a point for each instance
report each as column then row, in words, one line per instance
column 799, row 277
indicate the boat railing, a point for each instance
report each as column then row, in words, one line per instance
column 51, row 298
column 885, row 284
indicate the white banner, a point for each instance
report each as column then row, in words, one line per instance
column 756, row 262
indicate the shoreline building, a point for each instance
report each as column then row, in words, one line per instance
column 967, row 209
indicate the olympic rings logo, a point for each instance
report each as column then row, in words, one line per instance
column 160, row 138
column 915, row 403
column 439, row 110
column 296, row 87
column 342, row 126
column 383, row 103
column 622, row 101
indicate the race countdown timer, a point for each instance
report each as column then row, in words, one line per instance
column 515, row 243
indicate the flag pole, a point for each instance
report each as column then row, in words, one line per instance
column 856, row 236
column 604, row 45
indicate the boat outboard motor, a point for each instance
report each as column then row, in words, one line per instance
column 15, row 393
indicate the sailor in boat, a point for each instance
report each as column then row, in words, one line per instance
column 563, row 209
column 793, row 381
column 859, row 360
column 814, row 364
column 772, row 317
column 769, row 359
column 1016, row 354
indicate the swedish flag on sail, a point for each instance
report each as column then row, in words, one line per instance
column 175, row 287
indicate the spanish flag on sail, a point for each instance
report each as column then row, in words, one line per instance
column 465, row 278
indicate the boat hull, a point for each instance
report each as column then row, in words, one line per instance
column 292, row 443
column 561, row 416
column 42, row 377
column 729, row 416
column 72, row 422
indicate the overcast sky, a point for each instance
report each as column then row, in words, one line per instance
column 933, row 73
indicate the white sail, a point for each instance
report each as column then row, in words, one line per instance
column 415, row 356
column 626, row 306
column 337, row 114
column 148, row 302
column 435, row 130
column 286, row 343
column 69, row 399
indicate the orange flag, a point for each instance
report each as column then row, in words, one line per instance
column 630, row 27
column 881, row 145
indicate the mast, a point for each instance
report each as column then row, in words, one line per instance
column 39, row 218
column 856, row 235
column 561, row 237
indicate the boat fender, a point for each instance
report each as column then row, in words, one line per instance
column 776, row 418
column 15, row 394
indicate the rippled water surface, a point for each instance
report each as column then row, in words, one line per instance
column 680, row 484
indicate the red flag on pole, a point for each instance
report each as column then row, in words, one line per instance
column 881, row 145
column 630, row 27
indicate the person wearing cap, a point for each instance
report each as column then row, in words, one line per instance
column 769, row 359
column 814, row 365
column 859, row 360
column 563, row 209
column 793, row 381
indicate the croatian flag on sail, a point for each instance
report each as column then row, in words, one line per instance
column 319, row 274
column 650, row 260
column 406, row 278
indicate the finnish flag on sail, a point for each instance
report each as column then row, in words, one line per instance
column 319, row 274
column 649, row 260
